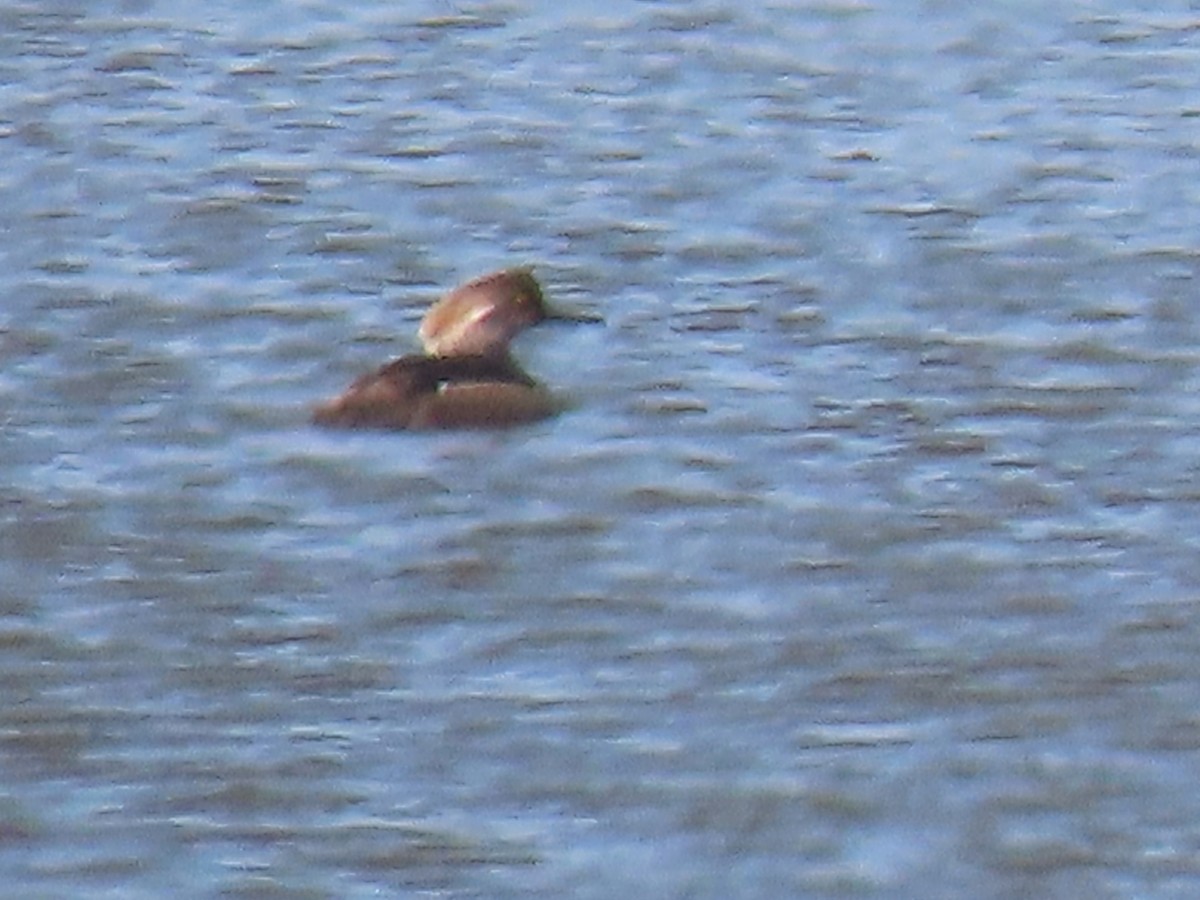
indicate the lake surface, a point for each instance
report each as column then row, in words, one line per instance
column 863, row 565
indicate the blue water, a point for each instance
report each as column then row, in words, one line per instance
column 863, row 564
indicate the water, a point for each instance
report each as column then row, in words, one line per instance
column 864, row 565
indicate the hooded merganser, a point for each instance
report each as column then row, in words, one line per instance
column 466, row 377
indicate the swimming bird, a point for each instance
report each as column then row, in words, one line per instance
column 466, row 377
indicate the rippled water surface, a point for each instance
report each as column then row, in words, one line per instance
column 864, row 564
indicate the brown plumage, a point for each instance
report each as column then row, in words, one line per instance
column 465, row 378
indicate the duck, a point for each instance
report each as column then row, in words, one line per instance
column 465, row 377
